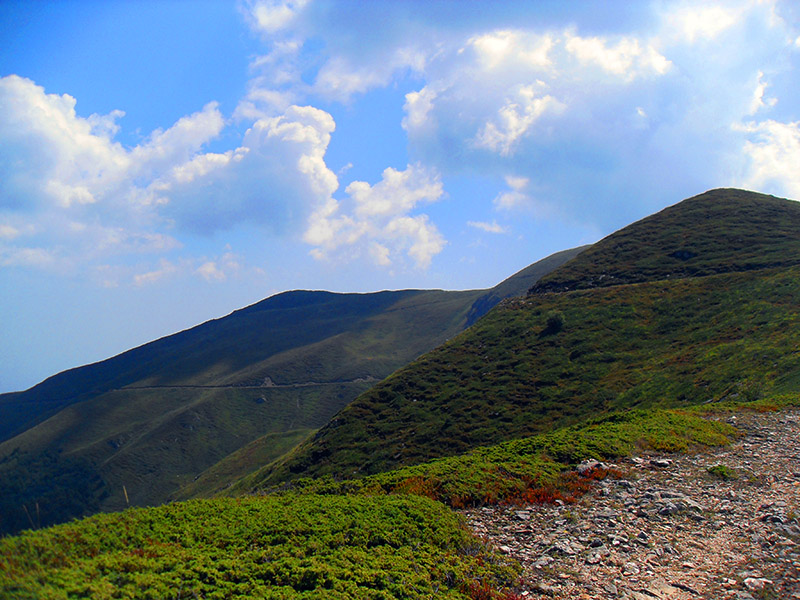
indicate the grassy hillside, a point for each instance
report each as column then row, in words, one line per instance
column 140, row 426
column 241, row 463
column 209, row 354
column 553, row 360
column 719, row 231
column 499, row 413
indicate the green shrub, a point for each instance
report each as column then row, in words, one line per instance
column 723, row 472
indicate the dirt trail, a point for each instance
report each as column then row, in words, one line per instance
column 670, row 530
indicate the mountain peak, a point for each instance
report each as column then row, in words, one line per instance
column 720, row 231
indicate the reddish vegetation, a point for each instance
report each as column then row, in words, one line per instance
column 482, row 591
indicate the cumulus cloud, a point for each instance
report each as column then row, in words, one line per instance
column 516, row 118
column 773, row 153
column 583, row 119
column 272, row 179
column 492, row 227
column 271, row 16
column 693, row 21
column 220, row 269
column 376, row 220
column 49, row 155
column 593, row 119
column 76, row 194
column 341, row 78
column 517, row 196
column 626, row 58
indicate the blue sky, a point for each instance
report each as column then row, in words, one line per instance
column 165, row 163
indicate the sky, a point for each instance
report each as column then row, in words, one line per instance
column 165, row 163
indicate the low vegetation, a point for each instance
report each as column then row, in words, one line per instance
column 539, row 468
column 258, row 547
column 385, row 536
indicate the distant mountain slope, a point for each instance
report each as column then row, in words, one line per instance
column 525, row 278
column 208, row 354
column 554, row 359
column 720, row 231
column 137, row 427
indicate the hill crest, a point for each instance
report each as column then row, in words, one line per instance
column 720, row 231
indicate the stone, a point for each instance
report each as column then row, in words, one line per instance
column 631, row 568
column 756, row 584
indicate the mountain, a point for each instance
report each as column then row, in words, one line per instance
column 657, row 360
column 245, row 388
column 695, row 304
column 720, row 231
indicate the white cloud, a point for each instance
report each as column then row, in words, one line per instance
column 273, row 179
column 507, row 47
column 701, row 21
column 179, row 144
column 492, row 227
column 773, row 153
column 165, row 269
column 375, row 220
column 417, row 107
column 340, row 78
column 418, row 236
column 271, row 16
column 516, row 118
column 220, row 269
column 60, row 168
column 396, row 193
column 39, row 258
column 758, row 102
column 626, row 58
column 211, row 272
column 49, row 155
column 8, row 232
column 516, row 197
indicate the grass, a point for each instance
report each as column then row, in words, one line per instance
column 277, row 547
column 537, row 468
column 722, row 472
column 239, row 464
column 385, row 536
column 750, row 231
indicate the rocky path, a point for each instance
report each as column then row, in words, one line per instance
column 670, row 529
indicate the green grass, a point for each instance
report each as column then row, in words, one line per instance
column 241, row 463
column 723, row 472
column 259, row 547
column 537, row 468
